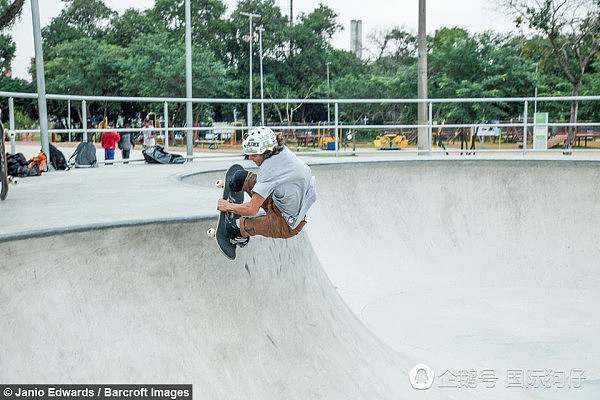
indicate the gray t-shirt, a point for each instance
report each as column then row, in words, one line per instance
column 125, row 142
column 290, row 181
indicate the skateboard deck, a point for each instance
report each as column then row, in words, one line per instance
column 221, row 234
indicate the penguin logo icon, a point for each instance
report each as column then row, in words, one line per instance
column 421, row 377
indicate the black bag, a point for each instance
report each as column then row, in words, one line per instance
column 156, row 155
column 85, row 155
column 57, row 159
column 24, row 171
column 15, row 162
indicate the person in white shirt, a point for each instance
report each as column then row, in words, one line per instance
column 283, row 186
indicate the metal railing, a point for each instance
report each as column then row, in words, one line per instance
column 426, row 148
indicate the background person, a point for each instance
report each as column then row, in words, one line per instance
column 149, row 135
column 109, row 139
column 126, row 144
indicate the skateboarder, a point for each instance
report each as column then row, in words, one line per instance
column 283, row 187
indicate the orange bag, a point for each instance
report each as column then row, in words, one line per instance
column 38, row 161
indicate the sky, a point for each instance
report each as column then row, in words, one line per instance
column 472, row 15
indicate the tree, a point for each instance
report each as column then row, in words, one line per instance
column 124, row 29
column 156, row 68
column 9, row 12
column 394, row 48
column 207, row 19
column 7, row 53
column 87, row 67
column 573, row 28
column 80, row 18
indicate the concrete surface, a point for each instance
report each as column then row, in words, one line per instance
column 461, row 265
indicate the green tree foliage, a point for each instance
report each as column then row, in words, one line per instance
column 9, row 12
column 481, row 65
column 7, row 52
column 573, row 29
column 132, row 24
column 394, row 48
column 85, row 66
column 207, row 18
column 156, row 68
column 79, row 18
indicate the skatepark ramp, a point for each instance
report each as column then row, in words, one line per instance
column 484, row 266
column 158, row 303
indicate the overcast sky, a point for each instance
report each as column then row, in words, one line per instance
column 473, row 15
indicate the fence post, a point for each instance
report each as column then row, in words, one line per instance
column 430, row 127
column 337, row 126
column 69, row 118
column 249, row 122
column 166, row 127
column 11, row 116
column 525, row 128
column 84, row 118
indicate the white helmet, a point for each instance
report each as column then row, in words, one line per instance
column 259, row 140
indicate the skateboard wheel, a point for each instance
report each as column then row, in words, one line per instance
column 220, row 183
column 211, row 232
column 12, row 180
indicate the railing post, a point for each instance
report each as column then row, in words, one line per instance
column 166, row 127
column 337, row 124
column 11, row 116
column 69, row 118
column 430, row 127
column 189, row 113
column 84, row 118
column 249, row 116
column 525, row 128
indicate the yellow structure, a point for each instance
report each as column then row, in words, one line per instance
column 152, row 118
column 103, row 124
column 390, row 140
column 326, row 134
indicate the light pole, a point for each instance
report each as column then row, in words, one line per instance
column 328, row 95
column 41, row 80
column 189, row 114
column 423, row 139
column 260, row 30
column 536, row 88
column 250, row 16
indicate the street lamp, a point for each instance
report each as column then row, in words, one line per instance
column 328, row 95
column 260, row 29
column 250, row 16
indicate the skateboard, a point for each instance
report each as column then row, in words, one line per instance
column 220, row 233
column 4, row 177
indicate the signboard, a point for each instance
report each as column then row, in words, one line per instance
column 488, row 130
column 221, row 130
column 540, row 131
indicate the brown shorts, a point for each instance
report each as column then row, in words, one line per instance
column 272, row 224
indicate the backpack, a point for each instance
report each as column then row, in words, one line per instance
column 157, row 155
column 85, row 155
column 57, row 159
column 14, row 162
column 38, row 162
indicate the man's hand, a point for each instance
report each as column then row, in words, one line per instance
column 223, row 205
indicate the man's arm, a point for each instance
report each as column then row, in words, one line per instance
column 250, row 208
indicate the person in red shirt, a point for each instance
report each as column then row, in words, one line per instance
column 108, row 143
